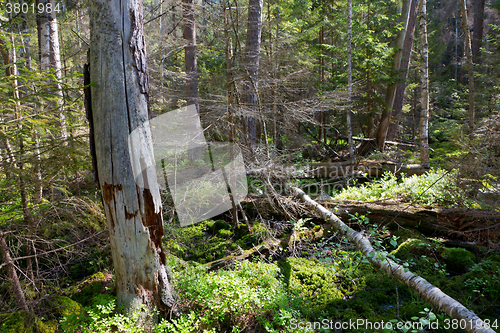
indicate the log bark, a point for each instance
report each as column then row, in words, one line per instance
column 119, row 106
column 380, row 260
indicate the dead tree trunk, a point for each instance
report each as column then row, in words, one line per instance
column 119, row 104
column 380, row 260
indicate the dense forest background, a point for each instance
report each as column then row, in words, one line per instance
column 374, row 107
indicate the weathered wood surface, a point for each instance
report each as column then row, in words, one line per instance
column 380, row 260
column 118, row 65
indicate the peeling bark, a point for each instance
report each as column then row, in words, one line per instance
column 379, row 260
column 119, row 105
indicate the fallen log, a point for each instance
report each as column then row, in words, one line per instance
column 380, row 260
column 340, row 169
column 480, row 226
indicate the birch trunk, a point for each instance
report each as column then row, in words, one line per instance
column 119, row 104
column 379, row 260
column 468, row 53
column 252, row 54
column 385, row 118
column 49, row 54
column 424, row 83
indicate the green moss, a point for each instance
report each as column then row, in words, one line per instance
column 218, row 225
column 316, row 283
column 458, row 260
column 17, row 322
column 49, row 326
column 65, row 306
column 241, row 230
column 225, row 233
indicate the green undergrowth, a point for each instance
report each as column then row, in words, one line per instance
column 332, row 286
column 436, row 187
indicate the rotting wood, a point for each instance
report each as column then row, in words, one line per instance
column 120, row 105
column 380, row 260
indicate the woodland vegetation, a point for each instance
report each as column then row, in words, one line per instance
column 370, row 135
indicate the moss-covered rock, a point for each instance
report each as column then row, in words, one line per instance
column 65, row 306
column 458, row 260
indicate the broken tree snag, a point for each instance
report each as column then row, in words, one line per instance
column 379, row 260
column 119, row 105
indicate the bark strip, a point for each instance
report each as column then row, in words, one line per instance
column 379, row 260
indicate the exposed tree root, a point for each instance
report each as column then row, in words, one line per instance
column 379, row 260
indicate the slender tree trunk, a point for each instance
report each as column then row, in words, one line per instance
column 470, row 66
column 349, row 79
column 119, row 105
column 38, row 193
column 477, row 36
column 252, row 54
column 385, row 118
column 403, row 75
column 49, row 54
column 424, row 83
column 191, row 66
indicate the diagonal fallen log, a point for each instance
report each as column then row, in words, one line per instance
column 379, row 260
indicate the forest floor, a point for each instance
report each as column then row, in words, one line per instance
column 284, row 274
